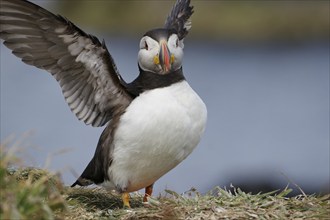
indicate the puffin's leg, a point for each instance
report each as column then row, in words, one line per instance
column 125, row 198
column 148, row 192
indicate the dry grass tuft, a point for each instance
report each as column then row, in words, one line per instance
column 217, row 204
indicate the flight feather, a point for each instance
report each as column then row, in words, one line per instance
column 82, row 65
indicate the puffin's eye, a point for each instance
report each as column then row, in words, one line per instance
column 177, row 42
column 146, row 45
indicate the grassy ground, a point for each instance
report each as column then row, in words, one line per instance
column 218, row 204
column 29, row 193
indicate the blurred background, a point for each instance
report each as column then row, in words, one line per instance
column 261, row 67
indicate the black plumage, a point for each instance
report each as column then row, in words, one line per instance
column 178, row 19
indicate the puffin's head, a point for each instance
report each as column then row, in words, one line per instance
column 161, row 51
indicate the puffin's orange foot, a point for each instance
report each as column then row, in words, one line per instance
column 125, row 198
column 148, row 192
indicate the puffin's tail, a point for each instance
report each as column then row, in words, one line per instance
column 96, row 170
column 82, row 182
column 75, row 183
column 89, row 176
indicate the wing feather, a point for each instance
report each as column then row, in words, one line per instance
column 178, row 19
column 81, row 64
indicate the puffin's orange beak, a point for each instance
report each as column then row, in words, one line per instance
column 165, row 56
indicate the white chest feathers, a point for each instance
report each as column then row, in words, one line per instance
column 159, row 129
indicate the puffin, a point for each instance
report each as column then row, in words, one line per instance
column 152, row 123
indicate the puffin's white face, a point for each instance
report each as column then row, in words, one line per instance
column 160, row 57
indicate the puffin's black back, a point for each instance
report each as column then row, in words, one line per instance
column 96, row 170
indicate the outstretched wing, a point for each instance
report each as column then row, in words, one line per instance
column 179, row 18
column 82, row 65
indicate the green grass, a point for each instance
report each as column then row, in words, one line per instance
column 30, row 193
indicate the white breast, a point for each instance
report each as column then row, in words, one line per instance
column 159, row 129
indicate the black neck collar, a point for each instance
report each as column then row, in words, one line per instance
column 148, row 80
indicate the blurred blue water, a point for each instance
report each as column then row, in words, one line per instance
column 268, row 109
